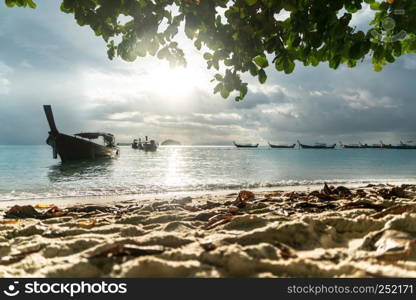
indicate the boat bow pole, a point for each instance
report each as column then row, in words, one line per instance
column 54, row 131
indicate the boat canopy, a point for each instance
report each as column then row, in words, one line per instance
column 108, row 137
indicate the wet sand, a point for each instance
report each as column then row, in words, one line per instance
column 319, row 232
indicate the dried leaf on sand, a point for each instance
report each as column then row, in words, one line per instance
column 243, row 197
column 285, row 251
column 25, row 211
column 218, row 220
column 9, row 222
column 87, row 224
column 361, row 205
column 44, row 205
column 54, row 212
column 395, row 210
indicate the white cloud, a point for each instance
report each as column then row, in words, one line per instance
column 25, row 64
column 285, row 108
column 319, row 93
column 267, row 89
column 409, row 62
column 4, row 86
column 362, row 99
column 4, row 82
column 5, row 69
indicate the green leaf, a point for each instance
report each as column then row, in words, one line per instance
column 207, row 56
column 288, row 66
column 261, row 61
column 218, row 88
column 389, row 57
column 251, row 2
column 224, row 92
column 378, row 68
column 31, row 4
column 355, row 51
column 375, row 5
column 10, row 3
column 262, row 76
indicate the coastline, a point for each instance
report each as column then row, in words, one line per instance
column 293, row 231
column 109, row 199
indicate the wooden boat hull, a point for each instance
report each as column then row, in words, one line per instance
column 317, row 146
column 402, row 147
column 282, row 146
column 372, row 147
column 70, row 148
column 352, row 147
column 149, row 147
column 245, row 146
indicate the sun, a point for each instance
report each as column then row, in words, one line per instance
column 148, row 80
column 171, row 82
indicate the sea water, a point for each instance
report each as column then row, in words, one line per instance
column 28, row 172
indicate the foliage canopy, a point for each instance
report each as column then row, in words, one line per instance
column 242, row 36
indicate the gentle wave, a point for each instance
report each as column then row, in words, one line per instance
column 29, row 172
column 67, row 193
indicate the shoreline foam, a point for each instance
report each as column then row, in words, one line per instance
column 104, row 198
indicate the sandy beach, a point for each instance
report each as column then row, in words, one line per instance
column 315, row 232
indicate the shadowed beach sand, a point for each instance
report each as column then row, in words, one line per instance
column 327, row 232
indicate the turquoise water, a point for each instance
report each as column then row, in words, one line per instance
column 30, row 172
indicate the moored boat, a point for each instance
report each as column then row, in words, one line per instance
column 135, row 144
column 405, row 146
column 372, row 146
column 317, row 146
column 282, row 146
column 149, row 146
column 350, row 146
column 79, row 146
column 245, row 145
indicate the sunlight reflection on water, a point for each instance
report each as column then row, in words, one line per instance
column 29, row 171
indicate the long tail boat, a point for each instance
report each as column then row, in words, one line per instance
column 245, row 145
column 282, row 146
column 135, row 144
column 317, row 146
column 79, row 146
column 404, row 146
column 149, row 146
column 351, row 146
column 372, row 146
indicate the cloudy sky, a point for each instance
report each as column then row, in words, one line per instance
column 46, row 58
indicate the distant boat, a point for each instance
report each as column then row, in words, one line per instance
column 405, row 146
column 149, row 146
column 372, row 146
column 282, row 146
column 317, row 146
column 78, row 147
column 351, row 146
column 135, row 144
column 245, row 145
